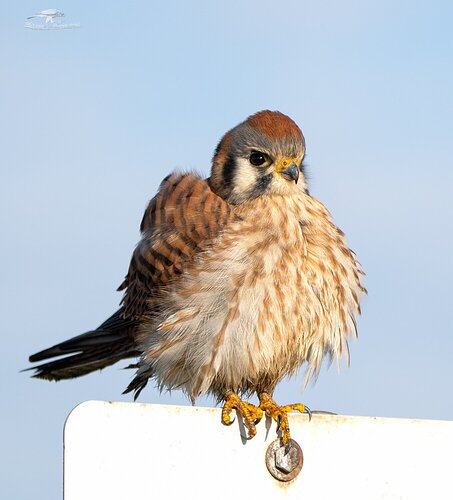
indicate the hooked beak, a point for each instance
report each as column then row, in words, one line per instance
column 291, row 172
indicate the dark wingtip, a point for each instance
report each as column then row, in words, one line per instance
column 40, row 373
column 36, row 374
column 39, row 356
column 137, row 385
column 132, row 366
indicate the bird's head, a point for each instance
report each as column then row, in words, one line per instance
column 260, row 156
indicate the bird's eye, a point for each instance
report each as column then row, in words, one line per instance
column 258, row 159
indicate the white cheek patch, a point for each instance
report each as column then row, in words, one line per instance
column 245, row 178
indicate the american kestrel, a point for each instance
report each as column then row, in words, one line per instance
column 237, row 281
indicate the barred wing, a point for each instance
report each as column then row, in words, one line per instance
column 179, row 222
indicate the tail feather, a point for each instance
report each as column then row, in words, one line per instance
column 93, row 350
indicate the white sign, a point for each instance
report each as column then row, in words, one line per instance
column 139, row 451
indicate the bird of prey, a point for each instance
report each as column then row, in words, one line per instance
column 48, row 14
column 237, row 281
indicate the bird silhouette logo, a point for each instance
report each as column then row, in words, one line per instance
column 49, row 15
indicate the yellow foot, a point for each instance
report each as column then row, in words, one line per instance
column 250, row 414
column 280, row 413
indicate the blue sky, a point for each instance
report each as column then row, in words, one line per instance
column 92, row 119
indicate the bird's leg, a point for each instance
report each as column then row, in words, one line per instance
column 250, row 413
column 280, row 413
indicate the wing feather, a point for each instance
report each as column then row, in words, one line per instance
column 180, row 221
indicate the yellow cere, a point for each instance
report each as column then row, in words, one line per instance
column 284, row 162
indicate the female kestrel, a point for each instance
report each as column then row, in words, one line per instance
column 237, row 281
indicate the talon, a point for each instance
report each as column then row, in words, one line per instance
column 280, row 415
column 279, row 421
column 307, row 410
column 230, row 422
column 228, row 407
column 250, row 414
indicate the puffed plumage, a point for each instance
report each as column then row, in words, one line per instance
column 237, row 281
